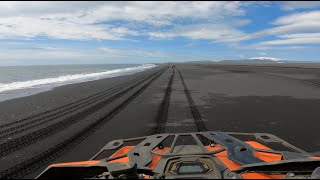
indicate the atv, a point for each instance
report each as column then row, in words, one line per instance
column 205, row 155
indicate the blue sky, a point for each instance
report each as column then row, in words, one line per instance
column 147, row 32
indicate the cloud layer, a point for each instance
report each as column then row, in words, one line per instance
column 217, row 21
column 96, row 20
column 105, row 26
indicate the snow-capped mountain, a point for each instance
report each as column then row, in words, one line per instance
column 266, row 59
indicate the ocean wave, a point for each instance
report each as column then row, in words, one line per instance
column 67, row 79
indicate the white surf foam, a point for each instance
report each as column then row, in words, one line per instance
column 67, row 79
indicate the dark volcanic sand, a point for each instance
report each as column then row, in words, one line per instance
column 273, row 99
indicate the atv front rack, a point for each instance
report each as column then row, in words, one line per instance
column 234, row 143
column 210, row 154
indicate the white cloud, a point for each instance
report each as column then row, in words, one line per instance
column 239, row 22
column 18, row 54
column 293, row 5
column 92, row 20
column 261, row 46
column 301, row 35
column 217, row 32
column 12, row 52
column 26, row 27
column 313, row 16
column 292, row 41
column 216, row 21
column 307, row 27
column 298, row 23
column 7, row 56
column 117, row 52
column 162, row 13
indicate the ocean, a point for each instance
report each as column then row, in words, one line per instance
column 19, row 81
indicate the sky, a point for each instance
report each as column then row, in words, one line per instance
column 156, row 32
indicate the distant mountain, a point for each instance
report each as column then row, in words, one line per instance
column 258, row 60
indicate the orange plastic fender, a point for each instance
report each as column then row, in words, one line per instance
column 76, row 163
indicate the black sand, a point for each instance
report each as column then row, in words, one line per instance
column 280, row 99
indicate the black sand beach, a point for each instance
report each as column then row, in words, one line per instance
column 73, row 122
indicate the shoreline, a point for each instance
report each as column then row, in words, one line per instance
column 28, row 87
column 57, row 96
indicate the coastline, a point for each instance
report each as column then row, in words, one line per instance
column 20, row 107
column 21, row 81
